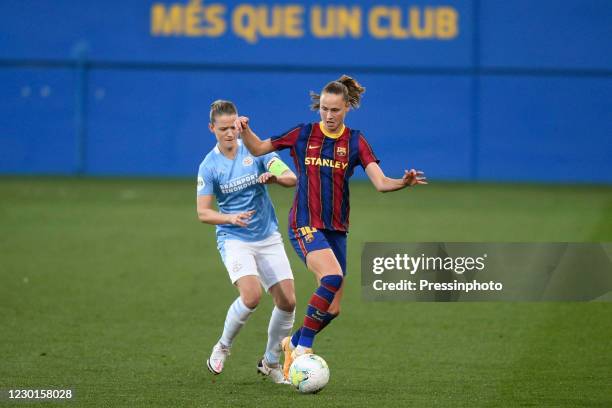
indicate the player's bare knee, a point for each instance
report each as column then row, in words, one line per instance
column 251, row 301
column 285, row 301
column 287, row 304
column 251, row 297
column 290, row 303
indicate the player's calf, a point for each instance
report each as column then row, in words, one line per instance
column 316, row 312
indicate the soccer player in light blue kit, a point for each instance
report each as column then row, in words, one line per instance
column 247, row 235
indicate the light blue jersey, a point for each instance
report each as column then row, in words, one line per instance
column 234, row 184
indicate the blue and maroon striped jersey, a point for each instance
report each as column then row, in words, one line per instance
column 324, row 166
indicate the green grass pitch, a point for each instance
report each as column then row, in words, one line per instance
column 114, row 289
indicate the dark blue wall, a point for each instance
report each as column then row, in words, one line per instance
column 521, row 92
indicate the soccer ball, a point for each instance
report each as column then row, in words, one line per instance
column 309, row 373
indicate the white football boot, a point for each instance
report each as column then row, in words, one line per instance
column 274, row 372
column 217, row 358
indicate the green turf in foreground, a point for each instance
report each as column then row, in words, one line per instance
column 112, row 288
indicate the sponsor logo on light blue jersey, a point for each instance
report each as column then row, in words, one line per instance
column 234, row 185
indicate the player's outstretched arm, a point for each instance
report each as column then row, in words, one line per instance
column 208, row 215
column 385, row 184
column 256, row 146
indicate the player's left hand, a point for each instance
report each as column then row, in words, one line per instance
column 267, row 178
column 414, row 177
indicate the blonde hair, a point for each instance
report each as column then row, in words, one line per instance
column 221, row 107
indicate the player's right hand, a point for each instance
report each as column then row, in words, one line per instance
column 241, row 219
column 242, row 123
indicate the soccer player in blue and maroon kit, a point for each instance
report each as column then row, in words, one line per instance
column 325, row 155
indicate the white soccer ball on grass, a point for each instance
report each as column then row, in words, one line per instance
column 309, row 373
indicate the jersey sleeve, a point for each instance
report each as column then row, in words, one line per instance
column 366, row 154
column 205, row 184
column 287, row 139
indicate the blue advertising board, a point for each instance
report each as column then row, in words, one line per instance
column 361, row 33
column 465, row 89
column 551, row 34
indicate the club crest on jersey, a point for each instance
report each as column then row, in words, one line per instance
column 247, row 161
column 341, row 151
